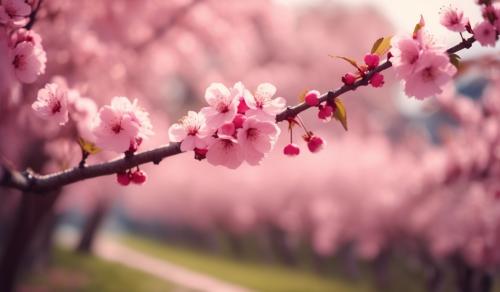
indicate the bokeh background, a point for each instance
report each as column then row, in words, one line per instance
column 407, row 200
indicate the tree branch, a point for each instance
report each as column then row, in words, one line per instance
column 35, row 183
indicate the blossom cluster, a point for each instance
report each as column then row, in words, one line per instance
column 485, row 32
column 236, row 126
column 26, row 55
column 423, row 66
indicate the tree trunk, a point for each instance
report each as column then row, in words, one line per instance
column 464, row 275
column 91, row 228
column 382, row 271
column 31, row 212
column 280, row 246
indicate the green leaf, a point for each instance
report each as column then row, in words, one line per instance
column 381, row 46
column 341, row 113
column 455, row 60
column 88, row 147
column 348, row 60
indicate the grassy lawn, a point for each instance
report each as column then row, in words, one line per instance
column 247, row 273
column 73, row 272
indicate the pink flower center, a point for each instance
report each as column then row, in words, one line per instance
column 117, row 128
column 252, row 134
column 428, row 74
column 222, row 107
column 192, row 131
column 56, row 107
column 228, row 144
column 19, row 61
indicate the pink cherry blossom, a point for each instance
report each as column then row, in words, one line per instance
column 262, row 104
column 453, row 19
column 432, row 73
column 191, row 131
column 406, row 52
column 257, row 138
column 226, row 152
column 485, row 33
column 14, row 13
column 28, row 61
column 52, row 103
column 223, row 104
column 121, row 125
column 82, row 111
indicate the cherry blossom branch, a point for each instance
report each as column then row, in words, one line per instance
column 29, row 181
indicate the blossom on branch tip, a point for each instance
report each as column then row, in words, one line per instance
column 52, row 103
column 121, row 125
column 485, row 33
column 262, row 105
column 191, row 131
column 453, row 19
column 421, row 64
column 434, row 71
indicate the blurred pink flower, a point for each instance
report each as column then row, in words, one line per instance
column 453, row 19
column 226, row 152
column 262, row 105
column 192, row 132
column 28, row 61
column 223, row 104
column 52, row 103
column 257, row 138
column 432, row 73
column 121, row 125
column 14, row 12
column 485, row 33
column 83, row 110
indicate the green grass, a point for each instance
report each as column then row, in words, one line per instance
column 247, row 273
column 74, row 272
